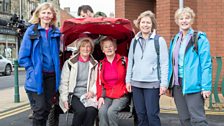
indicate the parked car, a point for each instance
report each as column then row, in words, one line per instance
column 6, row 66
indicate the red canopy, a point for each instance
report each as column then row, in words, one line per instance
column 117, row 28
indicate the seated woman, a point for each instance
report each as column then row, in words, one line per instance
column 111, row 89
column 78, row 79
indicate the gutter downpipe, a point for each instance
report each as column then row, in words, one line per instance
column 181, row 4
column 20, row 9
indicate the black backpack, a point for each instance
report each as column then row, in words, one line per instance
column 156, row 44
column 193, row 41
column 123, row 61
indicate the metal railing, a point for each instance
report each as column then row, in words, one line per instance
column 214, row 101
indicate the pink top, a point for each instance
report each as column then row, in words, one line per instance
column 110, row 72
column 47, row 30
column 82, row 60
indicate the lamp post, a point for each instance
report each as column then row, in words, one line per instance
column 16, row 82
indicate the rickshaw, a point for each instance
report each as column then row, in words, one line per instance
column 118, row 28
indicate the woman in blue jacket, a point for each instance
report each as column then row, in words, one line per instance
column 190, row 70
column 39, row 54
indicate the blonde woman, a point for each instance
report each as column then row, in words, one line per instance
column 190, row 70
column 77, row 88
column 39, row 54
column 147, row 71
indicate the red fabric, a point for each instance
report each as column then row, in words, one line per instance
column 118, row 28
column 47, row 30
column 82, row 60
column 118, row 89
column 110, row 74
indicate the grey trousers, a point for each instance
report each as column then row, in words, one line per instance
column 190, row 108
column 108, row 113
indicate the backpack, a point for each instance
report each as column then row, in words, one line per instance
column 36, row 32
column 123, row 61
column 156, row 45
column 193, row 41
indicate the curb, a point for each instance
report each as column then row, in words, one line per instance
column 12, row 108
column 207, row 112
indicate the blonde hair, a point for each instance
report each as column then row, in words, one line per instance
column 107, row 38
column 147, row 13
column 187, row 10
column 84, row 40
column 35, row 17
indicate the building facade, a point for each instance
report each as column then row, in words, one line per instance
column 12, row 12
column 209, row 17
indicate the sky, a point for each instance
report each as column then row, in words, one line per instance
column 106, row 6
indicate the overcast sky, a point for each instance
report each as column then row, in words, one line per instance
column 106, row 6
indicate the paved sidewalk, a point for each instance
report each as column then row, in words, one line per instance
column 167, row 104
column 168, row 108
column 7, row 99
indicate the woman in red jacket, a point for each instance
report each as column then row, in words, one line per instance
column 111, row 88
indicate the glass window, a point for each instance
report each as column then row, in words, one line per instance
column 2, row 38
column 1, row 5
column 7, row 6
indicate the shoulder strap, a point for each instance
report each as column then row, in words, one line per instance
column 100, row 67
column 195, row 41
column 156, row 44
column 123, row 60
column 69, row 66
column 134, row 45
column 36, row 33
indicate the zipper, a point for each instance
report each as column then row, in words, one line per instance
column 112, row 92
column 183, row 79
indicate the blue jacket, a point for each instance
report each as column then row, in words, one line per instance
column 30, row 56
column 197, row 74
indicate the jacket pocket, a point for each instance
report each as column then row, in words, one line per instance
column 29, row 74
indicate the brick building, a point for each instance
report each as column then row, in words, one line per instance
column 209, row 17
column 65, row 14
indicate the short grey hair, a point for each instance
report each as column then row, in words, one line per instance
column 186, row 10
column 84, row 40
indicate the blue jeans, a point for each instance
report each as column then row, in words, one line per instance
column 108, row 113
column 146, row 102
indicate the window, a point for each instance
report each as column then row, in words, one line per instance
column 1, row 5
column 5, row 6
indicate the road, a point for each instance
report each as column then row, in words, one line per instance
column 8, row 81
column 20, row 119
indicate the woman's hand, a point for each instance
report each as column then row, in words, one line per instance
column 66, row 105
column 162, row 90
column 100, row 102
column 128, row 87
column 89, row 95
column 205, row 94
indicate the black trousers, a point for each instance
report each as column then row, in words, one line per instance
column 41, row 104
column 83, row 116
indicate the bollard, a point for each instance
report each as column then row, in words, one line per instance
column 16, row 82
